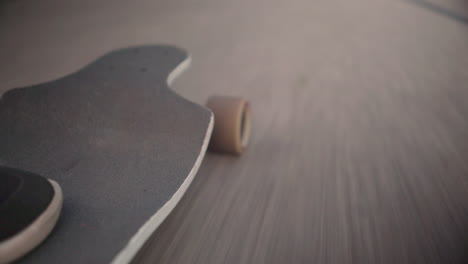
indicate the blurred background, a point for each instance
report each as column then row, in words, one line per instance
column 359, row 152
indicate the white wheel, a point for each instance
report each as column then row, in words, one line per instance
column 231, row 130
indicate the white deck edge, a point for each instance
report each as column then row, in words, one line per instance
column 178, row 70
column 143, row 234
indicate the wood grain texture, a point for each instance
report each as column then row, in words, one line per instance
column 359, row 152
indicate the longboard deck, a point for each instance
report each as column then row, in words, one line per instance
column 122, row 145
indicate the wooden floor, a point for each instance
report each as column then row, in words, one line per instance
column 360, row 108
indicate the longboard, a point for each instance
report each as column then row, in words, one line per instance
column 123, row 146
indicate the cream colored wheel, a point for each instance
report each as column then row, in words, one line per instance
column 231, row 130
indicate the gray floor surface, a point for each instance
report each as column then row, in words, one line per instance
column 359, row 151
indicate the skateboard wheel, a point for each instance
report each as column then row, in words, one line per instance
column 231, row 130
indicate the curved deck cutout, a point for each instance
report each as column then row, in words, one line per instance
column 123, row 146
